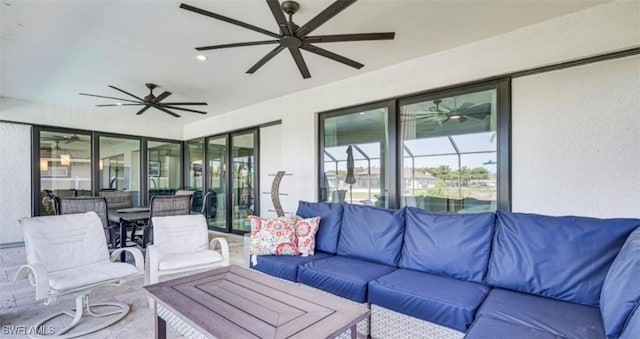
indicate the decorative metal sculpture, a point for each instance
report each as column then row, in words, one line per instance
column 275, row 193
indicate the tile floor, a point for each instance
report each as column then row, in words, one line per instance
column 19, row 309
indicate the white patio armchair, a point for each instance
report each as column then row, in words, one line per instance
column 181, row 244
column 67, row 254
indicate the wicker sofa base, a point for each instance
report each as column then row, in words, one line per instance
column 386, row 323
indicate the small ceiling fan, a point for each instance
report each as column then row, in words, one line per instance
column 150, row 101
column 294, row 37
column 441, row 113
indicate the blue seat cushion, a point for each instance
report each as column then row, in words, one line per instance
column 330, row 221
column 565, row 258
column 560, row 318
column 457, row 245
column 491, row 328
column 285, row 266
column 632, row 329
column 438, row 299
column 621, row 289
column 372, row 234
column 342, row 276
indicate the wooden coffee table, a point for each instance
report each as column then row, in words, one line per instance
column 236, row 302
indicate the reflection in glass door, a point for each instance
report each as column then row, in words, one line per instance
column 65, row 167
column 216, row 196
column 243, row 180
column 119, row 166
column 164, row 167
column 194, row 179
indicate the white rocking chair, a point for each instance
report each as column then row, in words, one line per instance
column 67, row 254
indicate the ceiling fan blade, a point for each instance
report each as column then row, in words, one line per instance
column 349, row 37
column 185, row 103
column 119, row 105
column 324, row 16
column 102, row 96
column 331, row 55
column 276, row 10
column 465, row 105
column 146, row 107
column 183, row 109
column 462, row 119
column 265, row 59
column 165, row 110
column 161, row 96
column 239, row 44
column 302, row 66
column 229, row 20
column 477, row 109
column 125, row 92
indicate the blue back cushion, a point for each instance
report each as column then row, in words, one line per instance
column 621, row 289
column 457, row 245
column 564, row 258
column 371, row 233
column 330, row 220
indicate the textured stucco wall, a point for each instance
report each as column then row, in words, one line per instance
column 15, row 179
column 576, row 140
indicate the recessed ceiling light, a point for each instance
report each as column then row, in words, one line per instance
column 119, row 103
column 201, row 57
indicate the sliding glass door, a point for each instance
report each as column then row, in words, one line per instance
column 65, row 167
column 243, row 179
column 216, row 196
column 119, row 165
column 194, row 180
column 164, row 167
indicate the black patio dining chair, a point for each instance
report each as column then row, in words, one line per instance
column 161, row 206
column 73, row 205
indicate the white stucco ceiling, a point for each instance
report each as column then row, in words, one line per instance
column 52, row 50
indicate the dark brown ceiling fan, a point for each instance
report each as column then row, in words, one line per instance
column 294, row 37
column 150, row 101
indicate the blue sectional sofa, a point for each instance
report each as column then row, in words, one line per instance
column 485, row 275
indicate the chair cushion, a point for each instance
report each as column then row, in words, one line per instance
column 632, row 329
column 285, row 266
column 371, row 233
column 86, row 275
column 180, row 233
column 560, row 318
column 528, row 255
column 273, row 236
column 330, row 221
column 442, row 300
column 342, row 276
column 457, row 245
column 490, row 328
column 76, row 239
column 183, row 260
column 621, row 289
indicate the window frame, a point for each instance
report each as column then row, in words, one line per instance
column 503, row 135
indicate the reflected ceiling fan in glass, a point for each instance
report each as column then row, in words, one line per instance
column 441, row 113
column 294, row 37
column 150, row 101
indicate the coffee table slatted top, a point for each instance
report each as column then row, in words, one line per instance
column 236, row 302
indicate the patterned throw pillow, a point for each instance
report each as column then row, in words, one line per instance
column 306, row 234
column 273, row 236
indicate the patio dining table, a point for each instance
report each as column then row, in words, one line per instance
column 127, row 216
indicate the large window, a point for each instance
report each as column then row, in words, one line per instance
column 119, row 165
column 64, row 167
column 355, row 152
column 445, row 151
column 449, row 152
